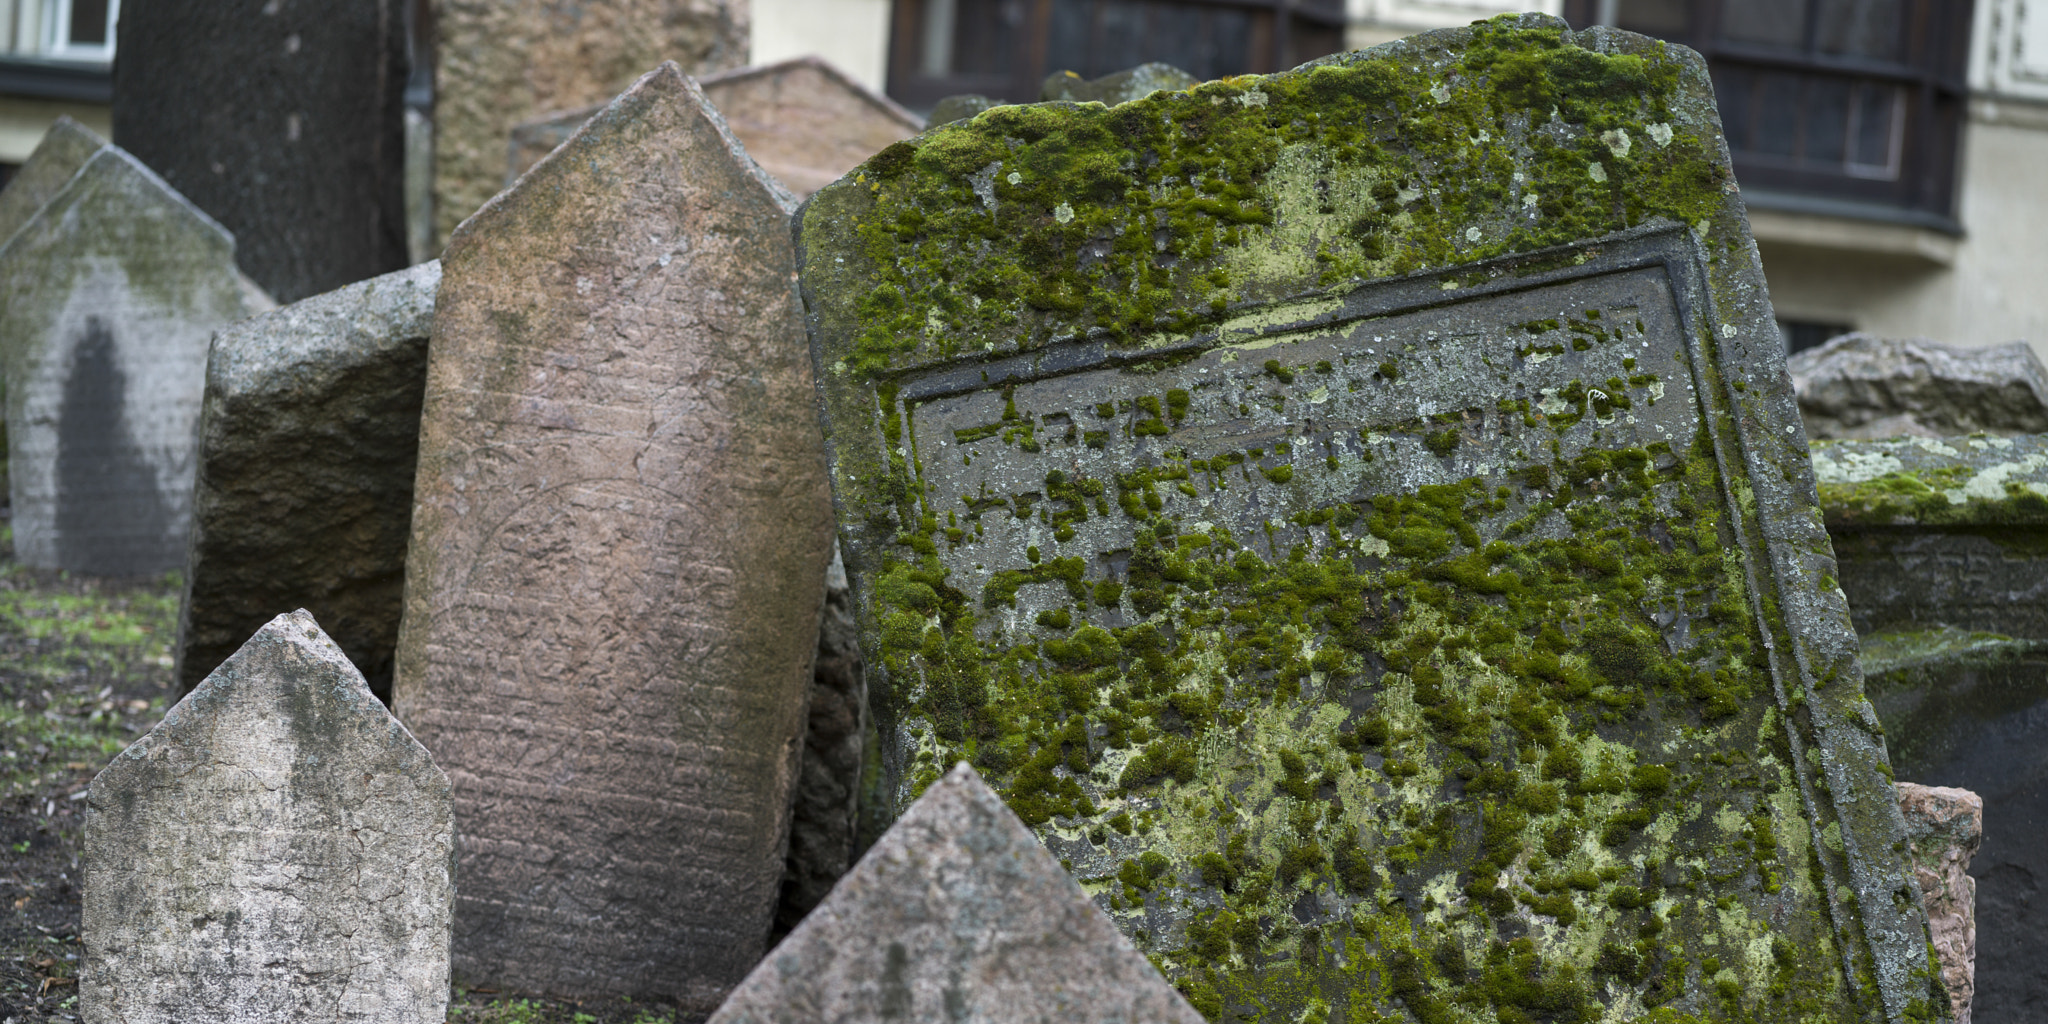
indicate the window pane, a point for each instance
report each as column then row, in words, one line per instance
column 1654, row 17
column 1776, row 113
column 89, row 22
column 1877, row 129
column 1121, row 36
column 1827, row 121
column 1861, row 28
column 1765, row 22
column 985, row 35
column 1732, row 92
column 1066, row 44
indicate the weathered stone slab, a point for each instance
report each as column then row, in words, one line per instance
column 1358, row 518
column 1967, row 710
column 1119, row 87
column 803, row 120
column 109, row 295
column 500, row 63
column 1943, row 827
column 283, row 121
column 307, row 445
column 956, row 914
column 64, row 149
column 619, row 539
column 1940, row 531
column 277, row 849
column 1860, row 387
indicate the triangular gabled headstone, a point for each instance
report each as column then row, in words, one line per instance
column 277, row 849
column 64, row 149
column 109, row 295
column 956, row 914
column 619, row 540
column 307, row 445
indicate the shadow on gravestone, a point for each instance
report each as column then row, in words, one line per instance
column 308, row 441
column 956, row 913
column 620, row 486
column 109, row 295
column 278, row 848
column 284, row 121
column 1359, row 518
column 803, row 120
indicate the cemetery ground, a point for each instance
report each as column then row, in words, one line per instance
column 85, row 670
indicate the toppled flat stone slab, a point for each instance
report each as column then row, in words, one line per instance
column 803, row 120
column 1934, row 481
column 620, row 534
column 308, row 442
column 1944, row 827
column 1359, row 519
column 109, row 295
column 1862, row 387
column 957, row 913
column 277, row 849
column 1117, row 87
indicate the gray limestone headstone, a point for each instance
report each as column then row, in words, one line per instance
column 1119, row 87
column 1359, row 519
column 307, row 443
column 277, row 849
column 109, row 295
column 63, row 150
column 619, row 540
column 1863, row 387
column 284, row 120
column 956, row 914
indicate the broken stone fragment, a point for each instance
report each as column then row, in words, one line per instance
column 1116, row 87
column 1862, row 387
column 957, row 913
column 1943, row 827
column 277, row 849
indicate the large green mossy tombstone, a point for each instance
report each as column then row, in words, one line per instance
column 1359, row 519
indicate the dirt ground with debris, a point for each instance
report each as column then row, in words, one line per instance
column 85, row 670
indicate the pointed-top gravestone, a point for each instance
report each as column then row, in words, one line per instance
column 619, row 540
column 64, row 149
column 1358, row 517
column 277, row 849
column 307, row 446
column 109, row 295
column 956, row 914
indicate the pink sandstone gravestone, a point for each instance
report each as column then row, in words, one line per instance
column 619, row 540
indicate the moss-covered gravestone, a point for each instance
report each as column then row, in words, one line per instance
column 1359, row 519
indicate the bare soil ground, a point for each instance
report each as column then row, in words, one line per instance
column 85, row 670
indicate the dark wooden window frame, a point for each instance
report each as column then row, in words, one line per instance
column 1930, row 80
column 1030, row 63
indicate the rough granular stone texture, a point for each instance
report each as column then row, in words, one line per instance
column 1967, row 710
column 1359, row 519
column 498, row 64
column 277, row 849
column 1940, row 531
column 1120, row 87
column 1860, row 387
column 619, row 541
column 307, row 444
column 63, row 150
column 824, row 823
column 804, row 121
column 284, row 120
column 959, row 108
column 1943, row 827
column 956, row 914
column 109, row 295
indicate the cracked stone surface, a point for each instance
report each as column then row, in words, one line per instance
column 957, row 913
column 278, row 848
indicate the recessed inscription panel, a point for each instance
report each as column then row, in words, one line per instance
column 1246, row 441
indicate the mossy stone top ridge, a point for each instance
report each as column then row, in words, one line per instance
column 1358, row 518
column 1971, row 481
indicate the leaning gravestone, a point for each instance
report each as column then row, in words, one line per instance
column 619, row 539
column 276, row 849
column 283, row 120
column 803, row 120
column 307, row 444
column 63, row 150
column 109, row 295
column 1358, row 518
column 956, row 914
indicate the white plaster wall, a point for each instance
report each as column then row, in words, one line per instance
column 852, row 34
